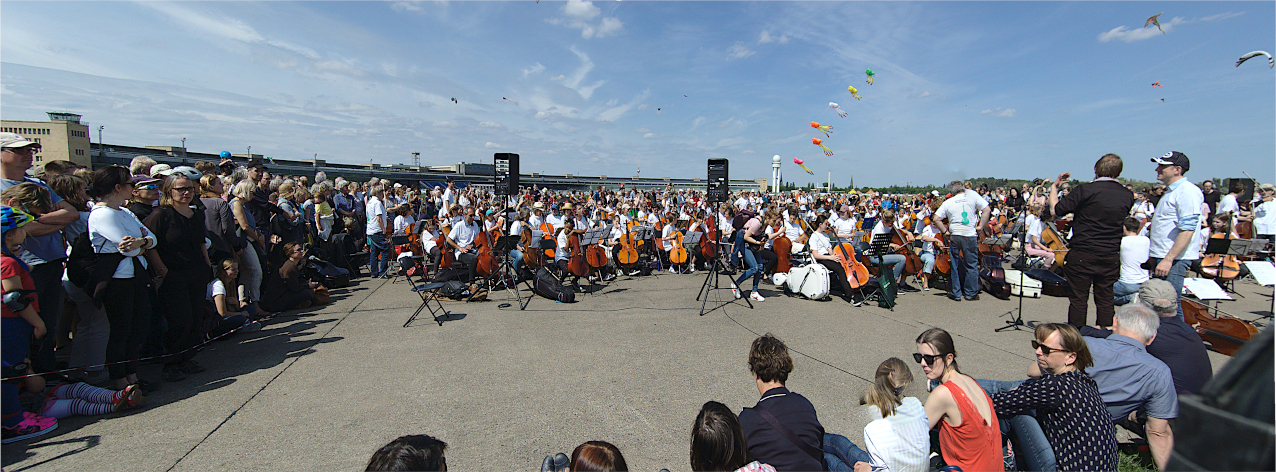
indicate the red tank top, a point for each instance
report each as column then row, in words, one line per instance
column 975, row 445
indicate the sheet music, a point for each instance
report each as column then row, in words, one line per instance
column 1264, row 272
column 1205, row 289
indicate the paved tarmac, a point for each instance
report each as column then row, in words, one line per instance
column 630, row 364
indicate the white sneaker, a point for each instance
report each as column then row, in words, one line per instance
column 671, row 271
column 735, row 291
column 757, row 297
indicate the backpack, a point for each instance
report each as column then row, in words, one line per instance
column 79, row 264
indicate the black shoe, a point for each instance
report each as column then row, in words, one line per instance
column 974, row 298
column 147, row 387
column 954, row 297
column 908, row 288
column 172, row 374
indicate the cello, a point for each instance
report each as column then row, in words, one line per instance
column 1055, row 243
column 709, row 242
column 782, row 247
column 531, row 256
column 912, row 262
column 628, row 255
column 856, row 273
column 1224, row 333
column 1220, row 266
column 677, row 253
column 483, row 248
column 447, row 258
column 576, row 264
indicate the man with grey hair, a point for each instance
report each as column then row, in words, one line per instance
column 967, row 214
column 141, row 165
column 1130, row 379
column 1176, row 344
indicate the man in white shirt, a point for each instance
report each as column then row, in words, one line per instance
column 553, row 218
column 461, row 239
column 966, row 212
column 376, row 229
column 1134, row 252
column 1265, row 213
column 1175, row 221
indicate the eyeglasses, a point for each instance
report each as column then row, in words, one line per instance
column 929, row 359
column 1046, row 350
column 183, row 189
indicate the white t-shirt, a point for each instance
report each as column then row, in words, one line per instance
column 1134, row 252
column 1032, row 224
column 401, row 223
column 929, row 231
column 463, row 235
column 1227, row 203
column 535, row 221
column 1265, row 218
column 562, row 251
column 1179, row 210
column 900, row 442
column 820, row 244
column 215, row 288
column 962, row 211
column 845, row 227
column 375, row 211
column 792, row 231
column 554, row 220
column 667, row 237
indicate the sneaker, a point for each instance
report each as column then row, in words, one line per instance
column 974, row 298
column 252, row 327
column 755, row 296
column 609, row 277
column 735, row 291
column 925, row 288
column 856, row 302
column 672, row 271
column 634, row 272
column 954, row 297
column 172, row 374
column 191, row 367
column 32, row 425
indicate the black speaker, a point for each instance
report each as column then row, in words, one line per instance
column 506, row 165
column 1247, row 195
column 719, row 181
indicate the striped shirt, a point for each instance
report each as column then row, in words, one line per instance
column 901, row 442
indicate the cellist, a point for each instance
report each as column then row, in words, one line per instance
column 931, row 245
column 1033, row 226
column 884, row 226
column 563, row 253
column 822, row 251
column 462, row 240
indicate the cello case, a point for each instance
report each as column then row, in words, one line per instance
column 1051, row 283
column 811, row 280
column 993, row 278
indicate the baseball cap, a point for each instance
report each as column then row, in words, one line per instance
column 1158, row 295
column 184, row 171
column 160, row 169
column 13, row 140
column 255, row 162
column 1267, row 187
column 1173, row 158
column 138, row 179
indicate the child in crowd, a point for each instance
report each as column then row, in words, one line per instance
column 21, row 320
column 65, row 399
column 234, row 313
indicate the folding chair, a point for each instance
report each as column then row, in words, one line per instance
column 395, row 242
column 429, row 292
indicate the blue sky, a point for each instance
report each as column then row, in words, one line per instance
column 962, row 89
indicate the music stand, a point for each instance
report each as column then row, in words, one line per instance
column 1232, row 247
column 596, row 236
column 715, row 270
column 648, row 234
column 880, row 247
column 504, row 269
column 691, row 242
column 1016, row 315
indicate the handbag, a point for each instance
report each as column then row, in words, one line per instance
column 320, row 296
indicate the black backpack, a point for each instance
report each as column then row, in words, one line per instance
column 79, row 264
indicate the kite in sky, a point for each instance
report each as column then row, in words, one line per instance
column 838, row 109
column 1156, row 84
column 870, row 76
column 1153, row 21
column 1270, row 61
column 818, row 142
column 854, row 93
column 454, row 100
column 799, row 162
column 824, row 128
column 508, row 100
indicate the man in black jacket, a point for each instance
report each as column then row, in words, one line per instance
column 770, row 363
column 1099, row 208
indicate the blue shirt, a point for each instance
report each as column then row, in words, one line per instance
column 1129, row 378
column 37, row 250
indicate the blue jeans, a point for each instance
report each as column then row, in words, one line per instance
column 16, row 334
column 1178, row 272
column 755, row 269
column 1034, row 448
column 737, row 248
column 837, row 442
column 378, row 254
column 516, row 260
column 1124, row 292
column 964, row 251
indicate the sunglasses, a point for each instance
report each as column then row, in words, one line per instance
column 929, row 359
column 183, row 189
column 147, row 187
column 1046, row 350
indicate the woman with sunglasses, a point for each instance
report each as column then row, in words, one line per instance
column 969, row 435
column 1066, row 401
column 179, row 227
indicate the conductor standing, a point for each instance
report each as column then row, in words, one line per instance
column 1094, row 257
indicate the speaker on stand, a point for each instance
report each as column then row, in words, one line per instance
column 506, row 177
column 719, row 181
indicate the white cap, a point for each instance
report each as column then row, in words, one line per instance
column 13, row 140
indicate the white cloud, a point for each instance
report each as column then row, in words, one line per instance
column 491, row 145
column 696, row 123
column 444, row 124
column 580, row 14
column 738, row 51
column 614, row 113
column 1123, row 33
column 922, row 95
column 573, row 82
column 1001, row 113
column 642, row 130
column 650, row 136
column 748, row 151
column 407, row 6
column 535, row 69
column 490, row 124
column 1222, row 16
column 767, row 38
column 558, row 77
column 642, row 107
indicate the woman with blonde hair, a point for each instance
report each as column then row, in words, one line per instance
column 897, row 438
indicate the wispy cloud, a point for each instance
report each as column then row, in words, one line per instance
column 574, row 81
column 1001, row 113
column 738, row 51
column 1129, row 35
column 924, row 94
column 492, row 145
column 536, row 69
column 580, row 15
column 615, row 112
column 767, row 38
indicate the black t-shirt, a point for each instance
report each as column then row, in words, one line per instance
column 140, row 210
column 1099, row 208
column 180, row 240
column 1212, row 198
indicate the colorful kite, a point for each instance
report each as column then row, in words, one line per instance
column 817, row 142
column 508, row 100
column 1156, row 84
column 1270, row 61
column 838, row 109
column 854, row 93
column 1152, row 21
column 824, row 128
column 799, row 162
column 870, row 76
column 454, row 100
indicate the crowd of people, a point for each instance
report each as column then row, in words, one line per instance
column 155, row 260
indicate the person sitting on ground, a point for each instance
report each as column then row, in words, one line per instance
column 823, row 252
column 286, row 289
column 65, row 399
column 600, row 456
column 717, row 442
column 1071, row 429
column 1129, row 378
column 898, row 437
column 969, row 435
column 1134, row 252
column 414, row 452
column 223, row 293
column 770, row 364
column 1176, row 343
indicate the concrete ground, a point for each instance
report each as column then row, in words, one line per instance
column 630, row 364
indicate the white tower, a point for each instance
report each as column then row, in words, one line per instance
column 775, row 174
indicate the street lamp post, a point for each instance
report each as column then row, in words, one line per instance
column 101, row 150
column 250, row 152
column 183, row 144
